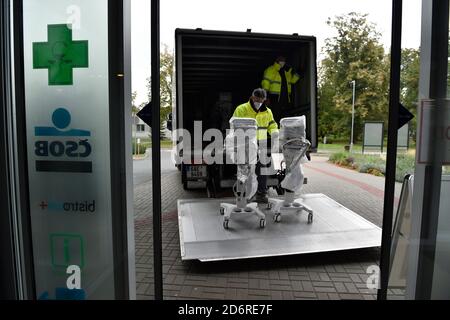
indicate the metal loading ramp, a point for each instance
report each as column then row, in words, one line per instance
column 202, row 236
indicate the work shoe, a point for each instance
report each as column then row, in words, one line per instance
column 260, row 198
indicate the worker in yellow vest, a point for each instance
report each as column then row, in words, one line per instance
column 256, row 108
column 278, row 80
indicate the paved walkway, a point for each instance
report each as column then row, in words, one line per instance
column 339, row 275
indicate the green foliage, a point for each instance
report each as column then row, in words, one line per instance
column 356, row 53
column 409, row 82
column 134, row 108
column 344, row 159
column 338, row 158
column 405, row 165
column 372, row 167
column 166, row 84
column 140, row 148
column 374, row 164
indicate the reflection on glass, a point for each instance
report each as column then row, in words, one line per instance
column 441, row 273
column 400, row 239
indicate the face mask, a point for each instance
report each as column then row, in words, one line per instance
column 257, row 105
column 282, row 63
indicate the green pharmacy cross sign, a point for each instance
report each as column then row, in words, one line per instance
column 60, row 55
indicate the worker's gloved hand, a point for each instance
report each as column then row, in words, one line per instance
column 275, row 142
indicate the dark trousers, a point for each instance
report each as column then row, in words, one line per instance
column 275, row 107
column 279, row 108
column 262, row 177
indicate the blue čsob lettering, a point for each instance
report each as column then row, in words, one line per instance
column 87, row 146
column 57, row 148
column 71, row 149
column 41, row 148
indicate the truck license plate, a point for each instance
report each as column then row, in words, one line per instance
column 196, row 172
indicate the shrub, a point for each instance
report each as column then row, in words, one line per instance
column 374, row 164
column 343, row 159
column 141, row 149
column 373, row 168
column 338, row 157
column 405, row 165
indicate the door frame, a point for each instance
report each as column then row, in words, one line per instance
column 119, row 37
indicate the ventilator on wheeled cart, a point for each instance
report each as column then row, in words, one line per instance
column 294, row 145
column 242, row 148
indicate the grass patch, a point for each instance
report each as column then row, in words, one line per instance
column 166, row 144
column 147, row 143
column 337, row 147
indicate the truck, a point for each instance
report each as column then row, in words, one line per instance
column 220, row 69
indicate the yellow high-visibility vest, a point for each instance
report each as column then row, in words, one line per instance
column 272, row 80
column 264, row 119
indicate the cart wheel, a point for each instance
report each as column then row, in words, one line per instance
column 225, row 223
column 270, row 205
column 310, row 218
column 222, row 211
column 277, row 217
column 262, row 223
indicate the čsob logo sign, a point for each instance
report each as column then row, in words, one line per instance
column 62, row 148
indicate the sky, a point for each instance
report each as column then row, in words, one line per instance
column 305, row 17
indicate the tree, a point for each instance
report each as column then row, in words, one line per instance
column 166, row 83
column 134, row 108
column 409, row 82
column 354, row 54
column 330, row 118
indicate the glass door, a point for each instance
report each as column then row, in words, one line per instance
column 420, row 252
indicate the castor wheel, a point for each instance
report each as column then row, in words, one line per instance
column 277, row 217
column 262, row 223
column 269, row 206
column 225, row 223
column 310, row 218
column 222, row 211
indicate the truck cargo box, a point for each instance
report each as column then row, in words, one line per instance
column 211, row 62
column 218, row 70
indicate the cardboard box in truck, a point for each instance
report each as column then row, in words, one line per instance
column 216, row 71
